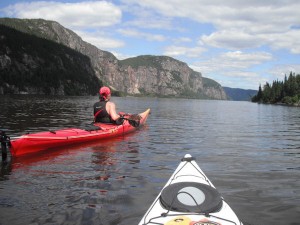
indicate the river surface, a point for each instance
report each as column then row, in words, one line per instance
column 251, row 153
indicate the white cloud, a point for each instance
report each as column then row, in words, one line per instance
column 150, row 23
column 145, row 19
column 226, row 14
column 233, row 68
column 122, row 56
column 236, row 60
column 235, row 39
column 182, row 39
column 233, row 78
column 290, row 40
column 238, row 24
column 73, row 15
column 238, row 27
column 279, row 71
column 193, row 52
column 101, row 40
column 143, row 35
column 232, row 39
column 85, row 18
column 246, row 59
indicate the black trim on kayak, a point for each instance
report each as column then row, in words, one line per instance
column 188, row 159
column 206, row 179
column 87, row 127
column 5, row 144
column 91, row 127
column 211, row 202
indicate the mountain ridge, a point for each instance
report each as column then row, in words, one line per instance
column 239, row 94
column 168, row 77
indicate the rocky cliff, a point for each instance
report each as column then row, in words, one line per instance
column 144, row 75
column 158, row 74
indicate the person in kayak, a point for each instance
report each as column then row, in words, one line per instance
column 104, row 110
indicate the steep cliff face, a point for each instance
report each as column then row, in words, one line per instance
column 213, row 88
column 150, row 75
column 159, row 75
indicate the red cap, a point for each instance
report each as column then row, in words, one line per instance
column 104, row 92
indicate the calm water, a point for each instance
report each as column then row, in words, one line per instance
column 250, row 152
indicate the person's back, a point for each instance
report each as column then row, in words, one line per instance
column 100, row 113
column 105, row 111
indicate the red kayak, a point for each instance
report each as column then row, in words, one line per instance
column 35, row 142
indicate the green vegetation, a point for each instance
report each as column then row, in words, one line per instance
column 29, row 62
column 31, row 26
column 285, row 92
column 145, row 60
column 210, row 83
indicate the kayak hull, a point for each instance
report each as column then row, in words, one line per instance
column 40, row 141
column 189, row 198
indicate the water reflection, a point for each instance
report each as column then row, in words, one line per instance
column 5, row 169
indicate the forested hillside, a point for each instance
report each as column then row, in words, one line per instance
column 29, row 64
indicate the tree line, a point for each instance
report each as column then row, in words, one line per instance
column 285, row 92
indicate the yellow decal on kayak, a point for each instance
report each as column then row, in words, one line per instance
column 114, row 130
column 180, row 220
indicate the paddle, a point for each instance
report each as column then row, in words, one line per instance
column 133, row 120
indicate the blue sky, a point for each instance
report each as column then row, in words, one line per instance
column 240, row 44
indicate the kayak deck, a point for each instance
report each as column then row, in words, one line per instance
column 189, row 198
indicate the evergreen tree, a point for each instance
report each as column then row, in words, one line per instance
column 287, row 91
column 258, row 97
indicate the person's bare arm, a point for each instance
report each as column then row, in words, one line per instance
column 111, row 109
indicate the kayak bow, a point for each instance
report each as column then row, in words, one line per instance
column 189, row 198
column 35, row 142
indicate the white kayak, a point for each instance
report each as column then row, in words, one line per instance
column 189, row 198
